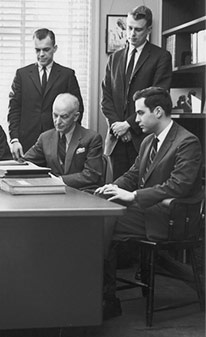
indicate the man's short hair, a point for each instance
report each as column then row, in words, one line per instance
column 67, row 97
column 42, row 33
column 142, row 12
column 155, row 96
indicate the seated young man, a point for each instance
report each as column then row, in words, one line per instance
column 72, row 152
column 171, row 169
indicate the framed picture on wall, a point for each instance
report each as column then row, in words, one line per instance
column 115, row 32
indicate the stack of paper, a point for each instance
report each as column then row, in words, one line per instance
column 27, row 178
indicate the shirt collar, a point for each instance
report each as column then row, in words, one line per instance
column 48, row 67
column 139, row 49
column 164, row 133
column 69, row 134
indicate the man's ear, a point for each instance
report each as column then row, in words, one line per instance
column 149, row 30
column 158, row 111
column 55, row 48
column 76, row 116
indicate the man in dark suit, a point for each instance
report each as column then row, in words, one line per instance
column 152, row 67
column 34, row 89
column 73, row 153
column 171, row 170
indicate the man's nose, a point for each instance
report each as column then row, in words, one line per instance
column 137, row 119
column 133, row 32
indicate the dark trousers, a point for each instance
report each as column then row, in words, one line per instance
column 150, row 223
column 122, row 158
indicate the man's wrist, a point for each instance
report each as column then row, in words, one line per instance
column 135, row 195
column 14, row 140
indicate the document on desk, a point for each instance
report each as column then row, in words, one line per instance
column 13, row 168
column 48, row 185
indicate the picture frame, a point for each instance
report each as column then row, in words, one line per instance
column 115, row 32
column 186, row 100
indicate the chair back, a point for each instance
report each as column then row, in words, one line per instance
column 186, row 219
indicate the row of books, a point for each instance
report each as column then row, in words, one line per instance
column 27, row 178
column 171, row 47
column 198, row 46
column 187, row 48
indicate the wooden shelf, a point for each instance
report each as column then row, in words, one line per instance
column 185, row 27
column 190, row 67
column 188, row 115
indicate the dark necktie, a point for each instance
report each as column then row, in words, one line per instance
column 130, row 68
column 62, row 147
column 44, row 80
column 151, row 156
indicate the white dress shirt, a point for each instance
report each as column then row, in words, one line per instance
column 41, row 70
column 137, row 54
column 163, row 135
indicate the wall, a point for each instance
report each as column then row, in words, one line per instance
column 122, row 7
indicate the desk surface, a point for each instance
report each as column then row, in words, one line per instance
column 51, row 259
column 72, row 203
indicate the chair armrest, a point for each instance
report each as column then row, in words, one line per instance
column 170, row 202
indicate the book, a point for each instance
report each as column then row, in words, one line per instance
column 13, row 168
column 48, row 185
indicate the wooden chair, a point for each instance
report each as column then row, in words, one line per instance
column 192, row 214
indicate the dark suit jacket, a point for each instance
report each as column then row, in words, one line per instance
column 5, row 152
column 30, row 113
column 175, row 173
column 83, row 162
column 153, row 68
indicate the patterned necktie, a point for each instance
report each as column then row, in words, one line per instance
column 130, row 68
column 151, row 156
column 44, row 80
column 152, row 153
column 62, row 147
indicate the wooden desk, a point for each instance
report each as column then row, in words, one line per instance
column 51, row 259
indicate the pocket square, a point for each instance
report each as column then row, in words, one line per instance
column 80, row 150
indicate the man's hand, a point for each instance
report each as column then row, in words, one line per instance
column 120, row 128
column 17, row 151
column 127, row 137
column 114, row 193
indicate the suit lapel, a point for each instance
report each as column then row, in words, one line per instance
column 166, row 145
column 143, row 57
column 34, row 74
column 54, row 74
column 74, row 143
column 54, row 151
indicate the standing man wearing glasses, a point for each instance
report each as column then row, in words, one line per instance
column 33, row 91
column 139, row 65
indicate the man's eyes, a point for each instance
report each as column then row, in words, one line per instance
column 45, row 50
column 136, row 29
column 140, row 113
column 62, row 117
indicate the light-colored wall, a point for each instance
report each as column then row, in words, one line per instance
column 122, row 7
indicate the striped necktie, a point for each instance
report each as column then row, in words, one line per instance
column 152, row 154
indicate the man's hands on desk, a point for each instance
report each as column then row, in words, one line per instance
column 113, row 192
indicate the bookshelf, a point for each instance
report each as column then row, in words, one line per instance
column 184, row 35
